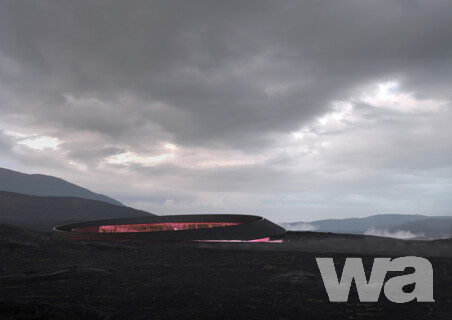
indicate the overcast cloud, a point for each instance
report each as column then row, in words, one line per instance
column 294, row 110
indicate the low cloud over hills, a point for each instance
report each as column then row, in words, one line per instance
column 386, row 225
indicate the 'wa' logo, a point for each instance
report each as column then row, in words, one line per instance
column 369, row 290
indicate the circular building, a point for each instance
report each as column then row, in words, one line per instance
column 205, row 227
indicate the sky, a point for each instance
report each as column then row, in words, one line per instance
column 292, row 110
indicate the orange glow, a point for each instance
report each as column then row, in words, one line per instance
column 152, row 227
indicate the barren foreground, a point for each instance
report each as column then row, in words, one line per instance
column 42, row 277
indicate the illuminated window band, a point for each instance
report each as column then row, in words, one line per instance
column 153, row 227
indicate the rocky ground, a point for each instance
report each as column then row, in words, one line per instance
column 42, row 277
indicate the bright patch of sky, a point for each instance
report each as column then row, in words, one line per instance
column 128, row 158
column 388, row 96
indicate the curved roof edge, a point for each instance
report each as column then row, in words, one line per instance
column 248, row 227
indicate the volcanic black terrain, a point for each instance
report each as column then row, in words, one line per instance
column 43, row 277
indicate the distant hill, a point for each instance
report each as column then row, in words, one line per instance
column 43, row 213
column 43, row 185
column 431, row 227
column 383, row 224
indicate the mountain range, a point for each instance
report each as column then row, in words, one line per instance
column 43, row 185
column 44, row 213
column 389, row 225
column 40, row 202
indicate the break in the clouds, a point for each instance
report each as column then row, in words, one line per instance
column 295, row 110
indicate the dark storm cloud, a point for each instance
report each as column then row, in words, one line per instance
column 221, row 72
column 201, row 98
column 90, row 154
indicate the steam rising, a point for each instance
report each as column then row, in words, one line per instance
column 400, row 234
column 301, row 226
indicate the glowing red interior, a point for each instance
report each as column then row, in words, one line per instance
column 151, row 227
column 267, row 239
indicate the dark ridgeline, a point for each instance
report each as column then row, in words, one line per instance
column 43, row 185
column 43, row 213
